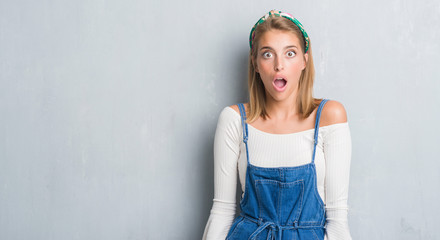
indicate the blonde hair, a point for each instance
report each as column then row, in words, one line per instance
column 305, row 101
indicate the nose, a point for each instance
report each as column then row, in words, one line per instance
column 279, row 64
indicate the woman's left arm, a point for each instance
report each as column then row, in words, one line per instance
column 337, row 153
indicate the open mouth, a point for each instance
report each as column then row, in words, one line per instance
column 280, row 84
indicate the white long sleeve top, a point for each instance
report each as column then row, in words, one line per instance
column 332, row 160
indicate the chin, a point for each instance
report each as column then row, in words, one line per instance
column 279, row 97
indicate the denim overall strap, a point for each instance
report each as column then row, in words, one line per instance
column 318, row 116
column 245, row 128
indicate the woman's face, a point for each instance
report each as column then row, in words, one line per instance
column 280, row 62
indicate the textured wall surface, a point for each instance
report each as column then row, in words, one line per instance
column 108, row 111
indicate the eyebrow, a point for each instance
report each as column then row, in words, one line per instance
column 267, row 47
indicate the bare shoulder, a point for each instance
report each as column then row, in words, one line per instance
column 235, row 107
column 333, row 112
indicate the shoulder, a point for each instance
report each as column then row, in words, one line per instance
column 229, row 125
column 230, row 115
column 333, row 112
column 235, row 107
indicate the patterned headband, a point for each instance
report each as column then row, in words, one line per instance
column 280, row 14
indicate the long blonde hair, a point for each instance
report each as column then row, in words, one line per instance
column 306, row 103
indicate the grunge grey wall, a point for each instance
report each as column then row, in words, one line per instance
column 108, row 111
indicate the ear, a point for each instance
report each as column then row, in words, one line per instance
column 306, row 59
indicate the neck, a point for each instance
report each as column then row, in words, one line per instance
column 282, row 110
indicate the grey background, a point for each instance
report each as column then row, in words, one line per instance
column 108, row 111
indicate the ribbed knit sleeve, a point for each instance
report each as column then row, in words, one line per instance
column 226, row 153
column 337, row 153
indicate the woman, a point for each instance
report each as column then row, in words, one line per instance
column 291, row 153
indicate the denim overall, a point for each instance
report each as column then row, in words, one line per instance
column 280, row 203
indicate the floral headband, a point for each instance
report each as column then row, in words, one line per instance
column 280, row 14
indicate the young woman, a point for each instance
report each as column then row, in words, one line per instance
column 292, row 155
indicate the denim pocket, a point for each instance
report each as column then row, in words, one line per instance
column 279, row 200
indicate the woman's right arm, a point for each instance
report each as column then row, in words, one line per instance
column 226, row 154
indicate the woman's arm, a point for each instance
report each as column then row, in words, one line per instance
column 226, row 153
column 337, row 153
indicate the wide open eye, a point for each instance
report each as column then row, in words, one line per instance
column 267, row 54
column 290, row 54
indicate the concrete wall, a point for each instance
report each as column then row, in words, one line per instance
column 108, row 111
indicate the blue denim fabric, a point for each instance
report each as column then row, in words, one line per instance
column 280, row 203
